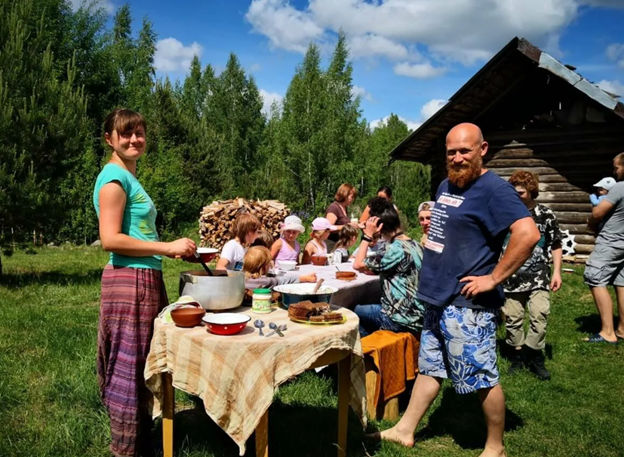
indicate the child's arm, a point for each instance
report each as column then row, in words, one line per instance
column 308, row 278
column 308, row 252
column 593, row 199
column 555, row 281
column 275, row 249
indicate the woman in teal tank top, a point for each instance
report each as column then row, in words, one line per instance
column 133, row 291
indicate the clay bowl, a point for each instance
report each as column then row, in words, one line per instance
column 318, row 260
column 346, row 275
column 187, row 317
column 226, row 323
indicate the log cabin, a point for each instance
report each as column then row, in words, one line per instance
column 537, row 114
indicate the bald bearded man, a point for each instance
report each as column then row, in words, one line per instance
column 460, row 284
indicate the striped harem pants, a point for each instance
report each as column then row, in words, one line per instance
column 131, row 300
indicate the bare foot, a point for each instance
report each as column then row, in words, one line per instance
column 489, row 452
column 396, row 436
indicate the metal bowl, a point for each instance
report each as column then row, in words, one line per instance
column 294, row 293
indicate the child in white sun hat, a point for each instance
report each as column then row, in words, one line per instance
column 602, row 189
column 287, row 247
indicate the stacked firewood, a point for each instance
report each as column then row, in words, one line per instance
column 217, row 219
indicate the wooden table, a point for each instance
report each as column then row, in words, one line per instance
column 186, row 357
column 341, row 357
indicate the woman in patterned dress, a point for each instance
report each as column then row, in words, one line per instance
column 133, row 292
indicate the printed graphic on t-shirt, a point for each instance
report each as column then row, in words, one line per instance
column 439, row 216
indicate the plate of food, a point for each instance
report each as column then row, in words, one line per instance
column 306, row 312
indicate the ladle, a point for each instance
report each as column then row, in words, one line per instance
column 198, row 257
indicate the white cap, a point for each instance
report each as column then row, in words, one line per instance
column 605, row 183
column 293, row 223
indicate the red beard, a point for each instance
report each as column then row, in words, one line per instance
column 463, row 175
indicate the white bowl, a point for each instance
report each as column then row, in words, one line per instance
column 286, row 265
column 226, row 318
column 207, row 250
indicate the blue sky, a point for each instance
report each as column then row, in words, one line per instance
column 409, row 56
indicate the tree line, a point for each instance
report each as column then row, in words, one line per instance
column 62, row 71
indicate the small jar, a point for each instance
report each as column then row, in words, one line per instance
column 261, row 301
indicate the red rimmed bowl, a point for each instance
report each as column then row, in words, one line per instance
column 226, row 323
column 207, row 254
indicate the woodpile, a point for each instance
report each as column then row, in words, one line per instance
column 217, row 219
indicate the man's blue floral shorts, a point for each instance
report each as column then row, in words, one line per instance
column 460, row 344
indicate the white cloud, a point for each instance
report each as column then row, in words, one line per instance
column 107, row 5
column 615, row 52
column 357, row 90
column 255, row 67
column 267, row 100
column 285, row 26
column 374, row 45
column 430, row 108
column 172, row 55
column 412, row 125
column 614, row 87
column 419, row 70
column 427, row 110
column 465, row 31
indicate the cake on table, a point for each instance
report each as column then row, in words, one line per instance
column 313, row 312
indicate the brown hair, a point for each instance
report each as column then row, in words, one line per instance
column 620, row 158
column 245, row 223
column 347, row 233
column 526, row 179
column 123, row 120
column 344, row 191
column 264, row 239
column 424, row 207
column 256, row 261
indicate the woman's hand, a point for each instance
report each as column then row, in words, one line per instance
column 308, row 278
column 372, row 227
column 184, row 247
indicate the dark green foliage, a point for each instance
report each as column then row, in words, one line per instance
column 63, row 71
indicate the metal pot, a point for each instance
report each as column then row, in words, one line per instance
column 223, row 291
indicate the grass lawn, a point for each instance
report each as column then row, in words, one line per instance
column 49, row 404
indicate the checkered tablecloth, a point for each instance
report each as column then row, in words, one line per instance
column 237, row 376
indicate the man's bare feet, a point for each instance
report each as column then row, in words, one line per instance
column 489, row 452
column 396, row 436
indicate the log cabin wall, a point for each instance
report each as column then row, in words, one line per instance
column 567, row 165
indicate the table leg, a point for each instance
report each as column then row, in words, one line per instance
column 262, row 436
column 344, row 385
column 168, row 409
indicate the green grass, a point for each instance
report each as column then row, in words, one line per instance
column 49, row 404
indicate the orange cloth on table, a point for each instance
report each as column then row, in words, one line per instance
column 396, row 357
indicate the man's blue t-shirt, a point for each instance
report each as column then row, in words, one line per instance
column 468, row 228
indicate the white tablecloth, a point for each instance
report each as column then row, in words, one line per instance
column 364, row 290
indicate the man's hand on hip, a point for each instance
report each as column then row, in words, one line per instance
column 477, row 284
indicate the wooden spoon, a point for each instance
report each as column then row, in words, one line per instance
column 318, row 285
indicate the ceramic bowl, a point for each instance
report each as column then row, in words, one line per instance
column 226, row 323
column 286, row 265
column 318, row 260
column 187, row 317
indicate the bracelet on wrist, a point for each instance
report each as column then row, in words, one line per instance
column 366, row 238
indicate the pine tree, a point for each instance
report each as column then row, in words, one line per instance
column 43, row 124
